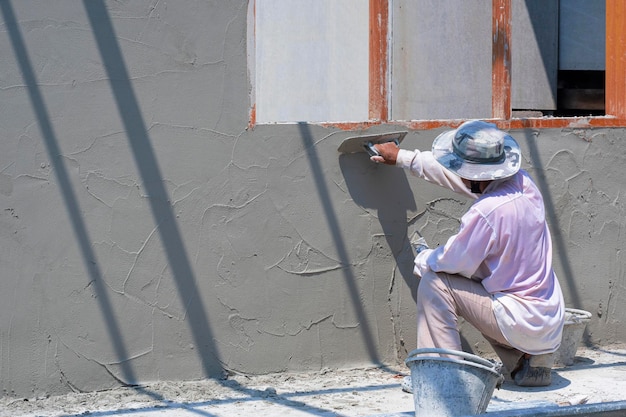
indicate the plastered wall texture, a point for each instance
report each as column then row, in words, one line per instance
column 147, row 233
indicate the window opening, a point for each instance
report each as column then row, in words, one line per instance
column 559, row 58
column 580, row 93
column 578, row 89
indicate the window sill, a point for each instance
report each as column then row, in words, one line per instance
column 545, row 122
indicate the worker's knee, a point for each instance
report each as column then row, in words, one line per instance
column 431, row 286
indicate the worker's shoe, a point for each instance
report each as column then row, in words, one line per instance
column 531, row 376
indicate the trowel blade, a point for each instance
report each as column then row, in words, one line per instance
column 359, row 143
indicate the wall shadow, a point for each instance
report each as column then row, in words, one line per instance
column 335, row 229
column 558, row 241
column 540, row 13
column 67, row 193
column 386, row 190
column 538, row 19
column 158, row 198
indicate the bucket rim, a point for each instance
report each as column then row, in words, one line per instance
column 439, row 359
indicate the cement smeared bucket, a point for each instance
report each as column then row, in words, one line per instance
column 456, row 384
column 573, row 329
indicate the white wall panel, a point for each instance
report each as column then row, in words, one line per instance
column 534, row 54
column 441, row 65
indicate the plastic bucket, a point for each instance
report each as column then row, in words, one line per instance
column 457, row 384
column 573, row 329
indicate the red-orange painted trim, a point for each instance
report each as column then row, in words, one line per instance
column 565, row 122
column 252, row 121
column 378, row 50
column 501, row 60
column 615, row 75
column 534, row 123
column 252, row 113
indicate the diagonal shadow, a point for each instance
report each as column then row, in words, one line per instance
column 161, row 210
column 388, row 191
column 67, row 193
column 334, row 227
column 286, row 399
column 71, row 203
column 147, row 164
column 540, row 13
column 557, row 236
column 538, row 18
column 537, row 13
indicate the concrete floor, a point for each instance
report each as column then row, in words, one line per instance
column 596, row 379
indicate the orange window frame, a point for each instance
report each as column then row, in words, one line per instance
column 615, row 74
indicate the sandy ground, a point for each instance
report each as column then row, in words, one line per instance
column 598, row 375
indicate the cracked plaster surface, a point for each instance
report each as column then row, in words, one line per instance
column 299, row 256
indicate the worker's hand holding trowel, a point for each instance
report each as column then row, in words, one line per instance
column 388, row 153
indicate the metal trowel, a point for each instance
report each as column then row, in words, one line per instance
column 365, row 143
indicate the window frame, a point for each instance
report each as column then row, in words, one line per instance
column 615, row 76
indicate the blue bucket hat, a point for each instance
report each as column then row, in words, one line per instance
column 478, row 151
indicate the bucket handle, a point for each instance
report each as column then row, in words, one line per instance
column 577, row 316
column 468, row 356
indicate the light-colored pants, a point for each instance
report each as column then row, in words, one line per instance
column 443, row 298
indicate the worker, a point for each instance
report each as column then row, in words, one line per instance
column 496, row 271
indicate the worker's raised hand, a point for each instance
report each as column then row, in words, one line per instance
column 388, row 153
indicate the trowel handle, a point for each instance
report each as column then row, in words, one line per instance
column 371, row 150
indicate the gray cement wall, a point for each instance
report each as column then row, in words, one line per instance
column 146, row 233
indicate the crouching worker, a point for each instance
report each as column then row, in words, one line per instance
column 496, row 271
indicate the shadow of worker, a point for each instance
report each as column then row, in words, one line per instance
column 384, row 192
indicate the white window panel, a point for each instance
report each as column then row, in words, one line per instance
column 311, row 60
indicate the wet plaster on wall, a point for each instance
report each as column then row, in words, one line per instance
column 309, row 266
column 298, row 256
column 69, row 341
column 584, row 196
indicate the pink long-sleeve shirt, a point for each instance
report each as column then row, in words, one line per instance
column 504, row 243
